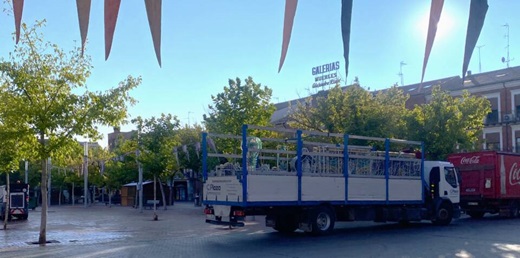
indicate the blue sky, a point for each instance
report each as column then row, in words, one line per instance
column 206, row 42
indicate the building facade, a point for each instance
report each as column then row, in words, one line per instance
column 114, row 137
column 501, row 87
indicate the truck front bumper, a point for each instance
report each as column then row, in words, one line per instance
column 456, row 211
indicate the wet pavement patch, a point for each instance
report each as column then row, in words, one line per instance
column 47, row 242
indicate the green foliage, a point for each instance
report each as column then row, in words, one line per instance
column 41, row 86
column 353, row 111
column 157, row 139
column 15, row 142
column 442, row 124
column 237, row 105
column 447, row 121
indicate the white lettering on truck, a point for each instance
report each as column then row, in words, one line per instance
column 514, row 175
column 468, row 161
column 213, row 187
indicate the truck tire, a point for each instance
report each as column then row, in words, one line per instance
column 443, row 215
column 476, row 214
column 322, row 220
column 286, row 223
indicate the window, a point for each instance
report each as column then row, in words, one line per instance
column 493, row 141
column 450, row 176
column 492, row 117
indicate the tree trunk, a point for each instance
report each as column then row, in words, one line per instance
column 59, row 197
column 110, row 197
column 43, row 222
column 171, row 193
column 73, row 196
column 162, row 193
column 7, row 199
column 155, row 197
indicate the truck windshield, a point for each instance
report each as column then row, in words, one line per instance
column 450, row 175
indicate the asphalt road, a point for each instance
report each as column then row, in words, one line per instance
column 100, row 231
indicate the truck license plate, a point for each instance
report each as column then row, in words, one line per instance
column 473, row 203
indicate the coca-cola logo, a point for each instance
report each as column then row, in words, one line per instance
column 468, row 161
column 514, row 175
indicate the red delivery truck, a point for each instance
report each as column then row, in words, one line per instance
column 490, row 182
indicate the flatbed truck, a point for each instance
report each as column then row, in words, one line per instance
column 333, row 180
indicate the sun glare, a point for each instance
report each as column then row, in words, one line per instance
column 444, row 27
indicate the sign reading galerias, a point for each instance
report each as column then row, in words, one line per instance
column 326, row 74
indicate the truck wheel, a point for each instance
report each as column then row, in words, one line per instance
column 476, row 214
column 322, row 221
column 443, row 215
column 286, row 223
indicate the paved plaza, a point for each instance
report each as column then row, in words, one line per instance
column 99, row 230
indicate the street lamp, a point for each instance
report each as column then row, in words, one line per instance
column 26, row 171
column 140, row 184
column 85, row 175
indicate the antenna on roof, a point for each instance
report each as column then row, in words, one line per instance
column 401, row 72
column 504, row 60
column 479, row 64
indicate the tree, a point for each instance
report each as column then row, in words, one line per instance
column 237, row 105
column 447, row 121
column 353, row 111
column 45, row 89
column 190, row 156
column 191, row 138
column 156, row 141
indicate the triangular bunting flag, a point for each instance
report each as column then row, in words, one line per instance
column 346, row 18
column 477, row 15
column 18, row 10
column 153, row 10
column 435, row 16
column 111, row 12
column 290, row 12
column 83, row 17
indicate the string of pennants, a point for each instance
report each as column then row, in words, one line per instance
column 477, row 14
column 111, row 11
